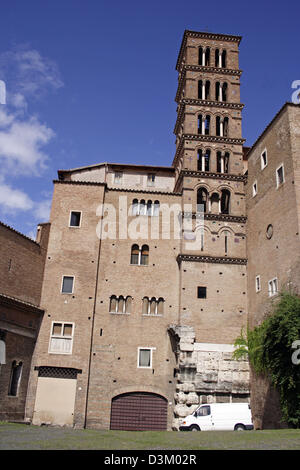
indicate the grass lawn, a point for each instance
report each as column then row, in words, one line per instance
column 28, row 437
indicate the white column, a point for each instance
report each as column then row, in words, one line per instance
column 222, row 163
column 203, row 162
column 203, row 125
column 220, row 58
column 221, row 127
column 220, row 92
column 203, row 57
column 203, row 90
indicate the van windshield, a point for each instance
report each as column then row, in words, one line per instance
column 203, row 411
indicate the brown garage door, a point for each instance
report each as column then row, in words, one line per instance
column 139, row 411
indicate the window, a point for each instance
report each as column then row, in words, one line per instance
column 75, row 219
column 153, row 306
column 67, row 285
column 15, row 378
column 263, row 159
column 225, row 201
column 151, row 180
column 120, row 304
column 257, row 284
column 61, row 338
column 202, row 200
column 145, row 358
column 201, row 292
column 254, row 189
column 273, row 287
column 139, row 256
column 145, row 208
column 118, row 177
column 203, row 160
column 203, row 411
column 280, row 175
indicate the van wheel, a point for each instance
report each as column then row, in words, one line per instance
column 239, row 427
column 194, row 427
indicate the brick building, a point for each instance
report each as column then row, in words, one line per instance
column 22, row 263
column 149, row 275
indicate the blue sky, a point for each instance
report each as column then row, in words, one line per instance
column 92, row 81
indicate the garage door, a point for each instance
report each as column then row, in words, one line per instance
column 139, row 411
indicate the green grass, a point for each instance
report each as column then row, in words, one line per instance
column 29, row 437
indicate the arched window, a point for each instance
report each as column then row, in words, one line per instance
column 200, row 90
column 142, row 209
column 113, row 304
column 207, row 124
column 202, row 199
column 145, row 255
column 15, row 378
column 160, row 306
column 214, row 203
column 207, row 90
column 200, row 56
column 149, row 208
column 217, row 58
column 145, row 309
column 156, row 208
column 200, row 124
column 135, row 254
column 225, row 126
column 224, row 92
column 121, row 304
column 203, row 163
column 153, row 306
column 135, row 207
column 225, row 201
column 218, row 87
column 222, row 162
column 128, row 304
column 218, row 126
column 207, row 57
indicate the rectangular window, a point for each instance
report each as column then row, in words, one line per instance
column 118, row 177
column 145, row 358
column 151, row 180
column 67, row 285
column 264, row 159
column 257, row 284
column 75, row 219
column 254, row 189
column 61, row 338
column 273, row 287
column 201, row 292
column 280, row 175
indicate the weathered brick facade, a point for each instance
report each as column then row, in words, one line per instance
column 134, row 310
column 21, row 275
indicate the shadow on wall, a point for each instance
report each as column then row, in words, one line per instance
column 265, row 405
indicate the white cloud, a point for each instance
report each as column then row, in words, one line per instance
column 12, row 200
column 21, row 145
column 23, row 137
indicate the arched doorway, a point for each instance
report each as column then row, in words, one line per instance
column 139, row 411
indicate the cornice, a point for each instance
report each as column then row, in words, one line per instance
column 210, row 259
column 211, row 174
column 219, row 217
column 9, row 301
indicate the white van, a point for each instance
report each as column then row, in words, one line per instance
column 219, row 417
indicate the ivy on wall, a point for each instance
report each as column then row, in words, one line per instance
column 272, row 350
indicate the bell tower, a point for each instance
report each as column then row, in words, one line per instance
column 210, row 176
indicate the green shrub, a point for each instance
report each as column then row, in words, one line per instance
column 269, row 348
